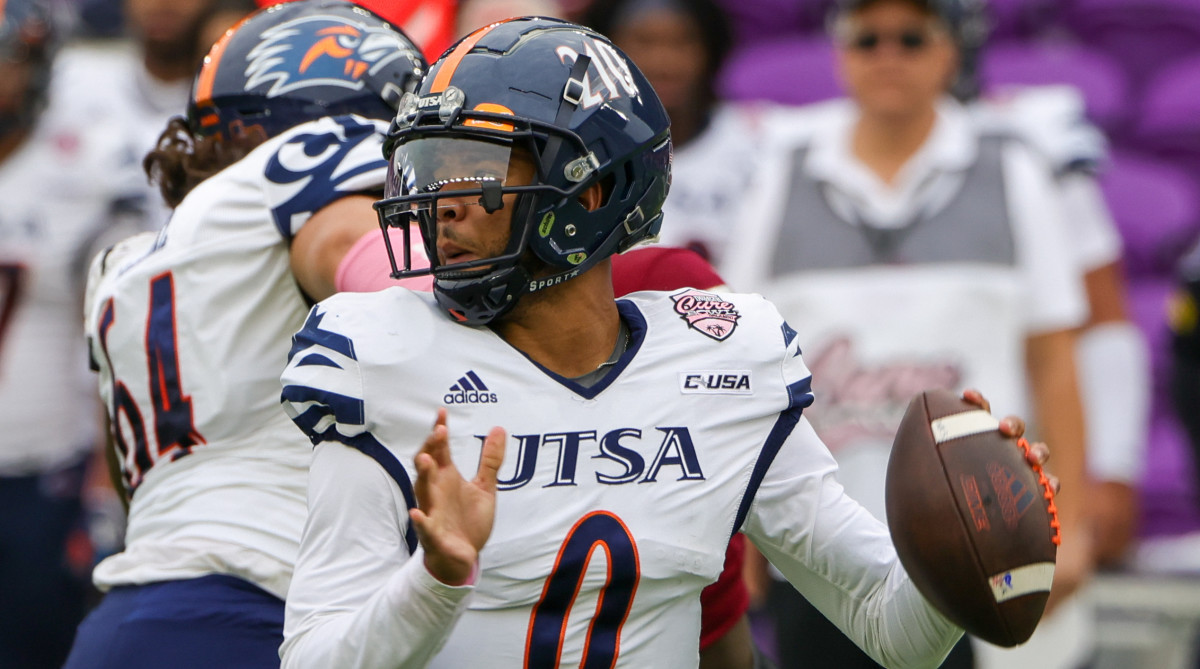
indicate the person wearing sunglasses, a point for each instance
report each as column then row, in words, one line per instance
column 912, row 247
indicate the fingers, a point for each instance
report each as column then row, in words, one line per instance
column 437, row 444
column 1055, row 485
column 490, row 459
column 1012, row 427
column 975, row 397
column 1039, row 454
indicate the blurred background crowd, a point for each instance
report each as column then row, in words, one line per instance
column 770, row 100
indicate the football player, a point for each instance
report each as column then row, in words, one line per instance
column 619, row 443
column 59, row 195
column 189, row 329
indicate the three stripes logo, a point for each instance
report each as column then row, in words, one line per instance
column 470, row 389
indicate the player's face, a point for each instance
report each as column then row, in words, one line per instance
column 466, row 229
column 895, row 59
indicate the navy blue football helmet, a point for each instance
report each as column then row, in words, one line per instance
column 27, row 37
column 299, row 61
column 555, row 95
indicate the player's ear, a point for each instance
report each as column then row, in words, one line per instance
column 593, row 197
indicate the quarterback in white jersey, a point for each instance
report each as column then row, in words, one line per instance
column 642, row 433
column 190, row 327
column 694, row 434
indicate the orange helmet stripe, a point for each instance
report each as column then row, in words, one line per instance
column 442, row 80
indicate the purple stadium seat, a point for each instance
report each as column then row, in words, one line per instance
column 1156, row 208
column 1144, row 35
column 1169, row 119
column 1099, row 78
column 754, row 20
column 792, row 70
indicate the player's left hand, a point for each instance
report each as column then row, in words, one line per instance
column 454, row 516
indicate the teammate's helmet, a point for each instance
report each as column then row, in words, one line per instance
column 299, row 61
column 968, row 25
column 553, row 93
column 26, row 37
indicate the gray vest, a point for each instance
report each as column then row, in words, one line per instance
column 973, row 227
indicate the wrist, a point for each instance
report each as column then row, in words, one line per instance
column 453, row 573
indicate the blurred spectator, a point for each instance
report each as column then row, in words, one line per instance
column 681, row 46
column 132, row 89
column 912, row 248
column 62, row 194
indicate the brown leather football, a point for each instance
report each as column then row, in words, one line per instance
column 974, row 524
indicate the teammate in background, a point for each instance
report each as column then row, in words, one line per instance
column 534, row 152
column 912, row 248
column 59, row 196
column 190, row 327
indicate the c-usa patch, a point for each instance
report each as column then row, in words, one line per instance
column 716, row 382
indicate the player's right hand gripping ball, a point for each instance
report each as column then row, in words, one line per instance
column 973, row 522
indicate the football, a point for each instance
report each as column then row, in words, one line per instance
column 973, row 522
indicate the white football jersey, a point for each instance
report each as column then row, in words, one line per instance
column 190, row 333
column 61, row 191
column 616, row 502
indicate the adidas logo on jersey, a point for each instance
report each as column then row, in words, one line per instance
column 470, row 389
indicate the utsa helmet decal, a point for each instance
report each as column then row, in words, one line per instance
column 551, row 95
column 299, row 61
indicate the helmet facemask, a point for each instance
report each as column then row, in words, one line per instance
column 495, row 162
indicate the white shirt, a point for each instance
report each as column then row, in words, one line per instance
column 625, row 493
column 876, row 335
column 1052, row 121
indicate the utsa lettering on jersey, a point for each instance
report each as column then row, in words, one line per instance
column 190, row 327
column 605, row 492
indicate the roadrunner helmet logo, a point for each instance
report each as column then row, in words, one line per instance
column 320, row 51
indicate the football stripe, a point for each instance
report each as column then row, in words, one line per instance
column 963, row 425
column 1031, row 578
